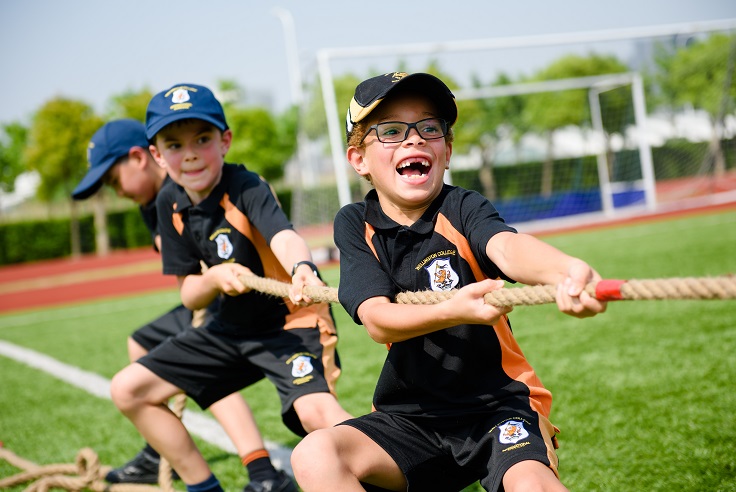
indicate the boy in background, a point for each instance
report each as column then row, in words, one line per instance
column 227, row 217
column 456, row 401
column 118, row 157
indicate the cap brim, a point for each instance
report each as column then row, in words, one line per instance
column 167, row 120
column 92, row 181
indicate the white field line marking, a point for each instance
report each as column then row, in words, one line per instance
column 200, row 425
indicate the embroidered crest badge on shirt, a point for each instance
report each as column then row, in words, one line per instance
column 441, row 275
column 301, row 366
column 512, row 432
column 224, row 246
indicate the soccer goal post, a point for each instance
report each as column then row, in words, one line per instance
column 644, row 182
column 612, row 182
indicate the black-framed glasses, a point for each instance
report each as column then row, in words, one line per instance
column 398, row 131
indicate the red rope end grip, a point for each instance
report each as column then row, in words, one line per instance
column 609, row 290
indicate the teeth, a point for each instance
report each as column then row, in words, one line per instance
column 404, row 164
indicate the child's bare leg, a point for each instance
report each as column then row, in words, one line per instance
column 141, row 396
column 531, row 476
column 237, row 420
column 135, row 350
column 339, row 458
column 319, row 410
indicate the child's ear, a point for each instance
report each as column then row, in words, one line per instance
column 157, row 156
column 138, row 156
column 226, row 141
column 356, row 158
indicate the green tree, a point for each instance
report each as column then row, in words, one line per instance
column 315, row 119
column 484, row 123
column 701, row 75
column 129, row 104
column 57, row 143
column 12, row 143
column 547, row 112
column 260, row 141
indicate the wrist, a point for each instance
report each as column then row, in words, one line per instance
column 308, row 263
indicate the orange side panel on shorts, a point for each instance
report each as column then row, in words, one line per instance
column 316, row 315
column 513, row 361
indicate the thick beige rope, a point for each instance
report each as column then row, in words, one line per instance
column 85, row 474
column 692, row 288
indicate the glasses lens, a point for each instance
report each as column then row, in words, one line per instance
column 431, row 128
column 397, row 131
column 391, row 131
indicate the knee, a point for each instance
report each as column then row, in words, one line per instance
column 316, row 451
column 319, row 411
column 123, row 391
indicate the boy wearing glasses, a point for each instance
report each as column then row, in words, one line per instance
column 456, row 401
column 228, row 218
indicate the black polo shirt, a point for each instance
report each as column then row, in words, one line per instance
column 453, row 372
column 150, row 215
column 235, row 223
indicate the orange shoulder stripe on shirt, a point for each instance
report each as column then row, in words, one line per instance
column 513, row 361
column 176, row 220
column 369, row 233
column 271, row 266
column 448, row 231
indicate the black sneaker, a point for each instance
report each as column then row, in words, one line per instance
column 141, row 469
column 282, row 483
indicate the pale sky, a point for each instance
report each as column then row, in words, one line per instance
column 94, row 49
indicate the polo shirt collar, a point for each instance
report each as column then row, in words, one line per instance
column 209, row 204
column 375, row 216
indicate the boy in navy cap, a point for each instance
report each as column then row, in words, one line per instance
column 118, row 156
column 227, row 217
column 456, row 401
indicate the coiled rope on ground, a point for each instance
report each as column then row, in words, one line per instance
column 85, row 473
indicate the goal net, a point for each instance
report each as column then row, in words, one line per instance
column 658, row 132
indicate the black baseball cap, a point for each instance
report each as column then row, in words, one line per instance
column 183, row 101
column 111, row 142
column 370, row 93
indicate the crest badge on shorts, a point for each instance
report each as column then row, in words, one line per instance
column 511, row 432
column 301, row 366
column 441, row 275
column 224, row 246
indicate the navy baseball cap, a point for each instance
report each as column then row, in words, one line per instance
column 111, row 142
column 180, row 102
column 370, row 93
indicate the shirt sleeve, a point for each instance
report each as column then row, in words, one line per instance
column 260, row 204
column 361, row 274
column 481, row 222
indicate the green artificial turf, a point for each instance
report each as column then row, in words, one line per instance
column 643, row 394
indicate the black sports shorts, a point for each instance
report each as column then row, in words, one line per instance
column 168, row 325
column 450, row 459
column 209, row 365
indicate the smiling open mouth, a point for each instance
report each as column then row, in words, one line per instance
column 413, row 168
